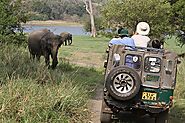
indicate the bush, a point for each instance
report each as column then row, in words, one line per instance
column 17, row 39
column 36, row 16
column 12, row 15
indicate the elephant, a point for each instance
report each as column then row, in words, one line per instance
column 67, row 37
column 44, row 43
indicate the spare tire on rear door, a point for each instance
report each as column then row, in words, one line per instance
column 123, row 83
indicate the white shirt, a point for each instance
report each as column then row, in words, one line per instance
column 141, row 40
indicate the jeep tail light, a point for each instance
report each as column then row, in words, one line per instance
column 171, row 98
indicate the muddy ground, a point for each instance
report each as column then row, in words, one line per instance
column 95, row 109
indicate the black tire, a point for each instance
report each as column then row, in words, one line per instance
column 162, row 117
column 105, row 117
column 123, row 83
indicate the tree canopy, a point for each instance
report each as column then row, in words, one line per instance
column 56, row 9
column 178, row 8
column 11, row 16
column 128, row 13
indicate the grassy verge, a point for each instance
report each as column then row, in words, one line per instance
column 52, row 23
column 85, row 51
column 171, row 44
column 178, row 110
column 32, row 93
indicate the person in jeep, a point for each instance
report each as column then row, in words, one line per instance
column 140, row 37
column 123, row 38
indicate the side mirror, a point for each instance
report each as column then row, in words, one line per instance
column 107, row 51
column 178, row 61
column 105, row 64
column 169, row 67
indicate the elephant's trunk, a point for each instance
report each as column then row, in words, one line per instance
column 55, row 59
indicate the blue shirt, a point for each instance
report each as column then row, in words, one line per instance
column 125, row 41
column 122, row 41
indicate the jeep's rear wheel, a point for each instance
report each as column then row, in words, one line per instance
column 123, row 83
column 105, row 118
column 162, row 117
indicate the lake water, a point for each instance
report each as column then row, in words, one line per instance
column 74, row 30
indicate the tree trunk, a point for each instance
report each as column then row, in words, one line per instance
column 93, row 29
column 90, row 11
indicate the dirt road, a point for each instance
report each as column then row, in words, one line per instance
column 95, row 105
column 95, row 109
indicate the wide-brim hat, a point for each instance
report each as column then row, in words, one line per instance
column 123, row 31
column 143, row 28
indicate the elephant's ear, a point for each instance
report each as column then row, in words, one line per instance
column 49, row 42
column 49, row 38
column 46, row 43
column 43, row 43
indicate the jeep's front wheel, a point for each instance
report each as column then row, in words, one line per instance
column 123, row 83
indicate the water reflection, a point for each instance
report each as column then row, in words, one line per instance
column 75, row 30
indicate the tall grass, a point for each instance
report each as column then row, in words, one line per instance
column 178, row 110
column 31, row 93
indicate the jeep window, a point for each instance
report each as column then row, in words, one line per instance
column 133, row 61
column 152, row 64
column 116, row 60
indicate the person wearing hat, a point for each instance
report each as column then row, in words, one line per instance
column 123, row 38
column 140, row 37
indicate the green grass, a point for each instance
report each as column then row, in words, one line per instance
column 177, row 112
column 171, row 44
column 87, row 44
column 52, row 23
column 31, row 93
column 85, row 49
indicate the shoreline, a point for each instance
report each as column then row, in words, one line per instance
column 51, row 23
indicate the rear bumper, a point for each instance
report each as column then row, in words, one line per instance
column 111, row 105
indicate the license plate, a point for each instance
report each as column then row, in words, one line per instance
column 149, row 96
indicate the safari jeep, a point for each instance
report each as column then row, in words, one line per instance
column 139, row 81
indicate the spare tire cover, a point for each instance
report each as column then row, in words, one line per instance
column 123, row 83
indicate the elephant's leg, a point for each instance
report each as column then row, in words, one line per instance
column 38, row 57
column 65, row 42
column 32, row 56
column 47, row 60
column 55, row 60
column 70, row 41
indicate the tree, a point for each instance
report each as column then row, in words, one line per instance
column 178, row 20
column 57, row 9
column 89, row 9
column 129, row 12
column 178, row 10
column 11, row 16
